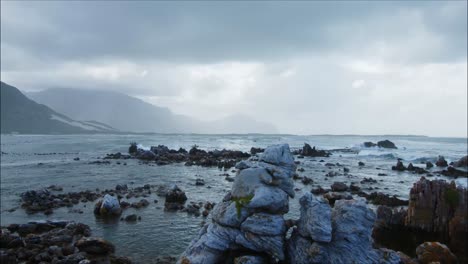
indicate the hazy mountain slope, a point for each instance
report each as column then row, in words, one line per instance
column 127, row 113
column 23, row 115
column 118, row 110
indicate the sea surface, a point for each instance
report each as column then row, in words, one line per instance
column 36, row 161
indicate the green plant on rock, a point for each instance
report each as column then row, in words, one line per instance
column 241, row 202
column 452, row 197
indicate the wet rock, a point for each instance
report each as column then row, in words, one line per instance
column 339, row 187
column 368, row 180
column 175, row 195
column 199, row 182
column 318, row 190
column 121, row 187
column 434, row 252
column 441, row 162
column 109, row 206
column 332, row 197
column 386, row 144
column 384, row 199
column 453, row 172
column 429, row 165
column 308, row 151
column 369, row 144
column 399, row 166
column 95, row 246
column 254, row 151
column 463, row 162
column 361, row 164
column 133, row 148
column 131, row 218
column 306, row 180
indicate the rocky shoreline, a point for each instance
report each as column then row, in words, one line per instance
column 248, row 225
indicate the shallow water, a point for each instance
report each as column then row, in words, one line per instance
column 163, row 233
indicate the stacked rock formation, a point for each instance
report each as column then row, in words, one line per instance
column 249, row 222
column 338, row 235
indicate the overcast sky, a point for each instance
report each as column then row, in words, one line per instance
column 307, row 67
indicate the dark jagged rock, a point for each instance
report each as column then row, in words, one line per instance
column 133, row 148
column 369, row 144
column 386, row 144
column 361, row 164
column 429, row 165
column 383, row 199
column 441, row 162
column 437, row 211
column 463, row 162
column 55, row 242
column 175, row 198
column 453, row 172
column 399, row 166
column 254, row 150
column 339, row 187
column 309, row 151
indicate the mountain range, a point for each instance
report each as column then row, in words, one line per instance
column 110, row 112
column 20, row 114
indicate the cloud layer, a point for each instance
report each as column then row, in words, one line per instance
column 308, row 67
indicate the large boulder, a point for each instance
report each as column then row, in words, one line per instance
column 309, row 151
column 441, row 162
column 463, row 162
column 352, row 223
column 309, row 224
column 108, row 206
column 278, row 155
column 386, row 144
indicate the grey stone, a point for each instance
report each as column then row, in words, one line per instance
column 272, row 245
column 248, row 180
column 264, row 224
column 269, row 199
column 315, row 220
column 225, row 213
column 250, row 260
column 279, row 155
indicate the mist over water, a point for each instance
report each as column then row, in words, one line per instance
column 37, row 161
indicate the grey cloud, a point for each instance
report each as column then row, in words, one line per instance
column 216, row 31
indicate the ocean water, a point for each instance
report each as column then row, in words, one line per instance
column 168, row 233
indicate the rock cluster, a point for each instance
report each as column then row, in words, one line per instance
column 338, row 235
column 437, row 211
column 162, row 155
column 250, row 218
column 56, row 242
column 417, row 170
column 381, row 144
column 309, row 151
column 248, row 225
